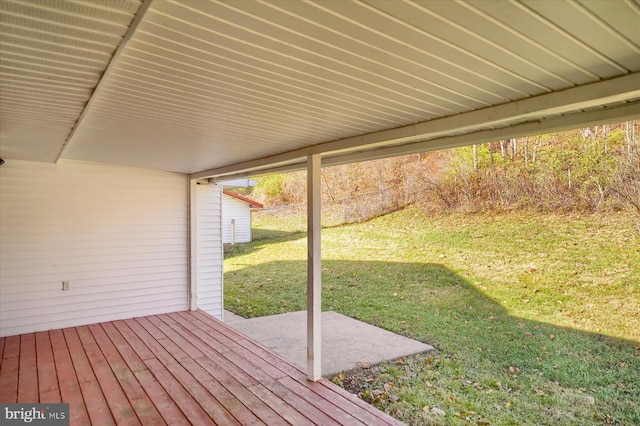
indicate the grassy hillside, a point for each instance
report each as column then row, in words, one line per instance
column 536, row 318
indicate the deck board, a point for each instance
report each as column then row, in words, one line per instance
column 115, row 397
column 244, row 367
column 28, row 377
column 177, row 369
column 9, row 370
column 143, row 407
column 224, row 378
column 47, row 378
column 68, row 384
column 194, row 387
column 170, row 412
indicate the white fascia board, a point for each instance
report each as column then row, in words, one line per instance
column 237, row 183
column 577, row 98
column 566, row 122
column 300, row 164
column 556, row 124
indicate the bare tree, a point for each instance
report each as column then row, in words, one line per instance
column 475, row 157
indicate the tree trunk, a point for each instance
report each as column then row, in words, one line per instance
column 513, row 143
column 475, row 157
column 491, row 155
column 503, row 149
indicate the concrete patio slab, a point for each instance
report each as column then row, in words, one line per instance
column 345, row 341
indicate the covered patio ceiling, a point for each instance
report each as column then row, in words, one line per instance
column 221, row 88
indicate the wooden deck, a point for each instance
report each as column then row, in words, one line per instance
column 179, row 368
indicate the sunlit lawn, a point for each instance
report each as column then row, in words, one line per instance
column 536, row 318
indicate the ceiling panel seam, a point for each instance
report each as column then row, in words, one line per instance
column 188, row 93
column 189, row 104
column 570, row 36
column 329, row 59
column 213, row 83
column 354, row 53
column 135, row 22
column 390, row 53
column 6, row 44
column 538, row 45
column 606, row 26
column 468, row 53
column 341, row 74
column 319, row 89
column 357, row 101
column 494, row 44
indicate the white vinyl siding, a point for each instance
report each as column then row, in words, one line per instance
column 209, row 249
column 234, row 209
column 117, row 234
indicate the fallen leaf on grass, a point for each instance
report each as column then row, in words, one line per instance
column 539, row 392
column 591, row 400
column 426, row 408
column 399, row 362
column 452, row 398
column 363, row 364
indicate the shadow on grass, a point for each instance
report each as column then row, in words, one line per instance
column 261, row 237
column 553, row 374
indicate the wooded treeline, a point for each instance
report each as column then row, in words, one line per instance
column 591, row 169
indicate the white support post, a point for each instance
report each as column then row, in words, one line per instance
column 193, row 245
column 314, row 269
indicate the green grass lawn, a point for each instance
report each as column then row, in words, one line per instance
column 536, row 318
